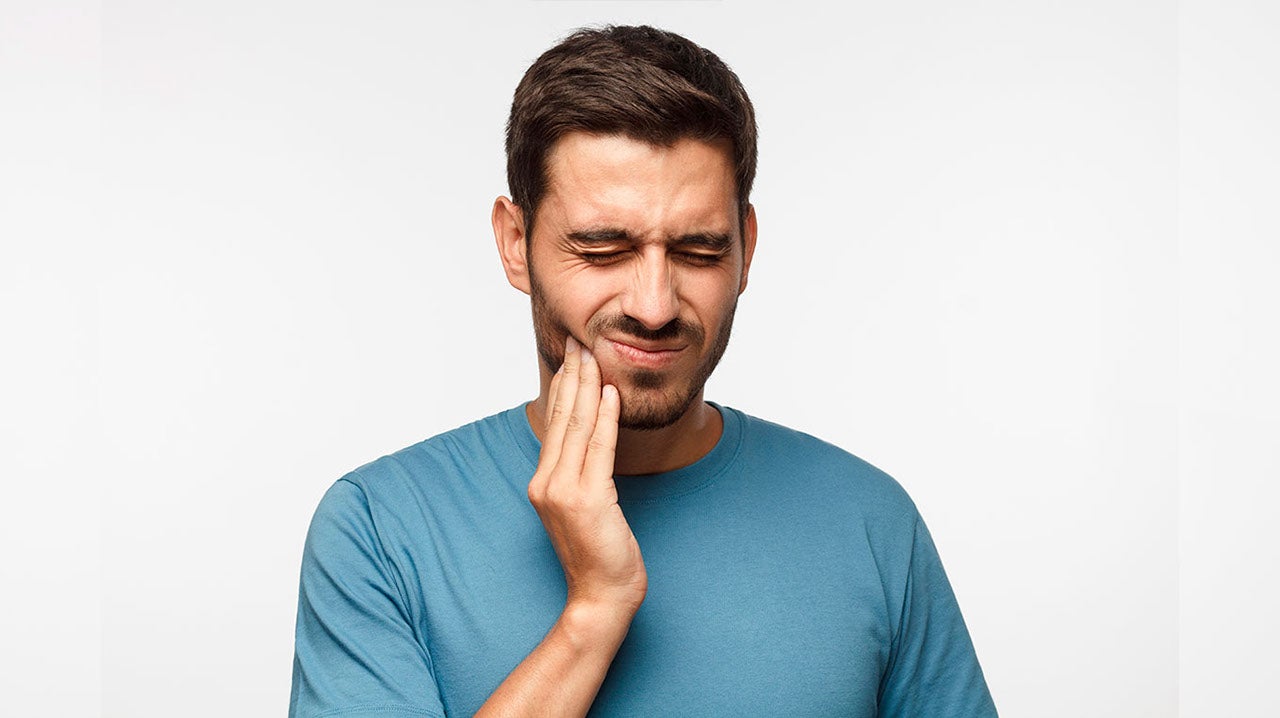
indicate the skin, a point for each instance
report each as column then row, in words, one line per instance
column 634, row 272
column 659, row 286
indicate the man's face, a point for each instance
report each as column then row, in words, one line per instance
column 637, row 252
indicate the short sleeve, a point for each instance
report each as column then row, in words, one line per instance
column 933, row 671
column 356, row 654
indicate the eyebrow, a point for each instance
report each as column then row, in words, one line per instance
column 599, row 236
column 706, row 240
column 717, row 242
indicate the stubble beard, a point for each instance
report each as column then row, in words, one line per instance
column 650, row 400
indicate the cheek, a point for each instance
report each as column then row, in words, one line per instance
column 714, row 305
column 564, row 308
column 587, row 299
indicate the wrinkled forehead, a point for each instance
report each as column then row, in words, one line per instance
column 597, row 180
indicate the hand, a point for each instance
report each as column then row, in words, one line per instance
column 575, row 496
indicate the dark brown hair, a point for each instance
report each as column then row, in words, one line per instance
column 648, row 84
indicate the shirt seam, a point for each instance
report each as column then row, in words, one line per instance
column 377, row 708
column 400, row 585
column 519, row 440
column 730, row 461
column 908, row 589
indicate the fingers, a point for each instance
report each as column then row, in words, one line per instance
column 602, row 448
column 582, row 420
column 550, row 449
column 563, row 394
column 572, row 489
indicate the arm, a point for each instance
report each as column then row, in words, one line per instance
column 562, row 675
column 933, row 668
column 355, row 655
column 575, row 497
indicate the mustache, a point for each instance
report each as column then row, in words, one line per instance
column 623, row 324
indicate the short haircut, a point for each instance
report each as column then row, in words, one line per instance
column 648, row 84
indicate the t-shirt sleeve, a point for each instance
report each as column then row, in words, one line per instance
column 933, row 671
column 356, row 654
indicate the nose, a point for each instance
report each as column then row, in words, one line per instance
column 651, row 299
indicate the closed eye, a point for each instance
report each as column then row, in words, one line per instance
column 699, row 258
column 602, row 257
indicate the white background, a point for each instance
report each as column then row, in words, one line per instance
column 1021, row 255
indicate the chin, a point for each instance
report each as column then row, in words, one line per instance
column 650, row 409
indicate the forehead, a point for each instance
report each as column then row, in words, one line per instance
column 598, row 180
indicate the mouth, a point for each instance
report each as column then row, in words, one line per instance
column 648, row 357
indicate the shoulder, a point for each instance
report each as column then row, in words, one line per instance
column 396, row 499
column 437, row 472
column 463, row 449
column 824, row 466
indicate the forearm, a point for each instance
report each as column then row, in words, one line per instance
column 563, row 674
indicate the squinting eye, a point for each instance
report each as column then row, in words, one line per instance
column 602, row 258
column 701, row 258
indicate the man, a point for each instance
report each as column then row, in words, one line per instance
column 618, row 545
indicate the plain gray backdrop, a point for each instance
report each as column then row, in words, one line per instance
column 1020, row 255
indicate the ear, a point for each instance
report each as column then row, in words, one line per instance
column 748, row 245
column 508, row 231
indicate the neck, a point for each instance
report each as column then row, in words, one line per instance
column 654, row 451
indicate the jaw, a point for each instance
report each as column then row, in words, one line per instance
column 646, row 408
column 651, row 398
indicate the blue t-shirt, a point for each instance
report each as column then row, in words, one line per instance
column 786, row 578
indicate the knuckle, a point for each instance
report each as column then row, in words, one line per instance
column 575, row 422
column 574, row 503
column 557, row 411
column 566, row 499
column 537, row 492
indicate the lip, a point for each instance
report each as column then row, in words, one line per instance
column 653, row 357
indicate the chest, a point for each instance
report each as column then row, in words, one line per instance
column 743, row 617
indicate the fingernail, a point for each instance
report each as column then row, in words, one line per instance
column 586, row 355
column 570, row 344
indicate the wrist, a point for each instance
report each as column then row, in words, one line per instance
column 591, row 624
